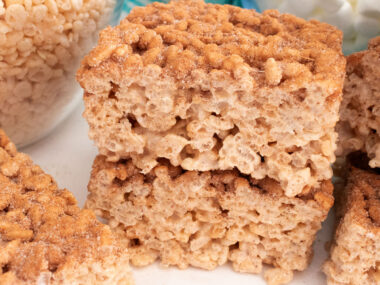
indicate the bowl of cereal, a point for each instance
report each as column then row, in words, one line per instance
column 41, row 45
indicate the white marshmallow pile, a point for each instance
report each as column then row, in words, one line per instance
column 358, row 19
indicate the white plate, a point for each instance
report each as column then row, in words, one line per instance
column 67, row 154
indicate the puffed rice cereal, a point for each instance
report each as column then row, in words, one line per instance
column 41, row 44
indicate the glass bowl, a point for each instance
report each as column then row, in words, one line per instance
column 41, row 45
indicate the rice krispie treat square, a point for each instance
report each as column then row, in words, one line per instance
column 44, row 237
column 205, row 219
column 212, row 87
column 359, row 125
column 355, row 252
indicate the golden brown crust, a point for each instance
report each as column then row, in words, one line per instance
column 186, row 35
column 42, row 230
column 363, row 198
column 374, row 44
column 355, row 251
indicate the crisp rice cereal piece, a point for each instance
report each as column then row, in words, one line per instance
column 44, row 237
column 278, row 276
column 41, row 45
column 355, row 251
column 217, row 87
column 205, row 219
column 359, row 125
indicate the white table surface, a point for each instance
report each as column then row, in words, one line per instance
column 67, row 154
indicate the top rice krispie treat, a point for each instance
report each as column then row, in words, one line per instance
column 359, row 125
column 217, row 87
column 44, row 237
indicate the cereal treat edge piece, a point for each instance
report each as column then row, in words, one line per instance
column 355, row 251
column 44, row 237
column 359, row 125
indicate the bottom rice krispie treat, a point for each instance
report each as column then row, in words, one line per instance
column 44, row 237
column 355, row 251
column 204, row 219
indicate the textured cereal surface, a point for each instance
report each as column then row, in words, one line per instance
column 44, row 237
column 185, row 35
column 213, row 87
column 204, row 219
column 359, row 126
column 41, row 45
column 355, row 252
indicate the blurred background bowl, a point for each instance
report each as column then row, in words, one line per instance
column 41, row 45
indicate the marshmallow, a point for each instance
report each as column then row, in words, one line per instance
column 350, row 45
column 269, row 4
column 369, row 8
column 343, row 19
column 365, row 26
column 301, row 8
column 360, row 43
column 358, row 19
column 331, row 6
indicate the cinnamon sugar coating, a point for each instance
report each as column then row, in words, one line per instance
column 185, row 35
column 217, row 87
column 359, row 125
column 44, row 237
column 205, row 219
column 355, row 252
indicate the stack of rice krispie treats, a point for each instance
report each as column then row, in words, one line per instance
column 215, row 127
column 355, row 250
